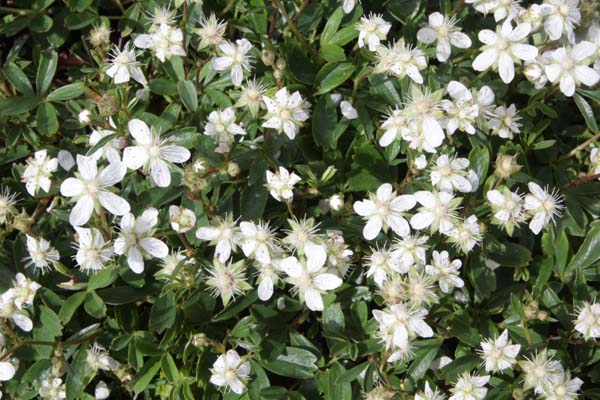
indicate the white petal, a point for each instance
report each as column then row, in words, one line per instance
column 175, row 154
column 460, row 40
column 140, row 131
column 81, row 213
column 327, row 282
column 87, row 167
column 586, row 75
column 313, row 300
column 160, row 174
column 114, row 204
column 567, row 84
column 292, row 267
column 112, row 174
column 485, row 60
column 207, row 233
column 134, row 157
column 372, row 228
column 135, row 260
column 146, row 221
column 422, row 220
column 537, row 223
column 525, row 52
column 315, row 256
column 265, row 289
column 157, row 248
column 364, row 208
column 426, row 35
column 7, row 371
column 506, row 68
column 71, row 187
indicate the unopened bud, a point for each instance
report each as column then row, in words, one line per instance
column 280, row 64
column 506, row 166
column 200, row 340
column 23, row 222
column 531, row 310
column 336, row 202
column 99, row 35
column 518, row 394
column 84, row 117
column 233, row 169
column 542, row 315
column 268, row 57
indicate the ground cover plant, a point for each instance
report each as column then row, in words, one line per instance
column 294, row 199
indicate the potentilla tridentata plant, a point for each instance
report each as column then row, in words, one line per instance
column 300, row 199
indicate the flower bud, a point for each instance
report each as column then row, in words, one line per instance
column 200, row 340
column 336, row 202
column 280, row 64
column 506, row 166
column 379, row 393
column 23, row 222
column 233, row 169
column 531, row 310
column 518, row 394
column 268, row 57
column 99, row 35
column 84, row 117
column 542, row 315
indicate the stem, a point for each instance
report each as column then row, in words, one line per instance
column 295, row 31
column 581, row 181
column 118, row 3
column 583, row 145
column 45, row 343
column 10, row 332
column 228, row 7
column 188, row 247
column 459, row 4
column 20, row 11
column 288, row 203
column 357, row 83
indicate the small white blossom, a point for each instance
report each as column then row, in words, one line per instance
column 563, row 388
column 41, row 254
column 84, row 117
column 97, row 358
column 53, row 389
column 285, row 112
column 381, row 264
column 101, row 391
column 182, row 219
column 91, row 189
column 135, row 239
column 470, row 387
column 542, row 206
column 234, row 58
column 281, row 184
column 411, row 250
column 221, row 125
column 450, row 173
column 499, row 353
column 438, row 211
column 466, row 235
column 165, row 42
column 152, row 153
column 227, row 280
column 372, row 30
column 429, row 394
column 462, row 111
column 560, row 18
column 230, row 372
column 309, row 277
column 569, row 66
column 38, row 172
column 257, row 240
column 503, row 48
column 348, row 111
column 251, row 96
column 541, row 370
column 444, row 31
column 504, row 122
column 92, row 250
column 8, row 201
column 222, row 233
column 588, row 320
column 401, row 322
column 400, row 60
column 211, row 31
column 124, row 66
column 384, row 210
column 507, row 207
column 445, row 271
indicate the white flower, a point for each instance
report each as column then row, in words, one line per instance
column 466, row 235
column 24, row 290
column 211, row 31
column 8, row 366
column 338, row 254
column 462, row 112
column 504, row 122
column 303, row 234
column 285, row 113
column 384, row 210
column 53, row 389
column 541, row 370
column 91, row 189
column 170, row 263
column 97, row 358
column 499, row 353
column 504, row 47
column 400, row 60
column 251, row 95
column 588, row 320
column 336, row 202
column 92, row 251
column 165, row 42
column 507, row 207
column 281, row 184
column 101, row 392
column 348, row 111
column 38, row 172
column 84, row 117
column 446, row 33
column 411, row 250
column 563, row 388
column 542, row 206
column 372, row 30
column 396, row 126
column 420, row 162
column 309, row 278
column 8, row 309
column 152, row 153
column 124, row 66
column 230, row 372
column 438, row 211
column 111, row 151
column 162, row 15
column 8, row 201
column 182, row 219
column 470, row 387
column 429, row 394
column 534, row 69
column 223, row 233
column 135, row 239
column 401, row 322
column 41, row 254
column 569, row 66
column 227, row 280
column 450, row 173
column 445, row 271
column 348, row 5
column 425, row 115
column 267, row 278
column 257, row 240
column 234, row 58
column 221, row 125
column 381, row 264
column 561, row 17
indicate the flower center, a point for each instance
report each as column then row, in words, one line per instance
column 154, row 151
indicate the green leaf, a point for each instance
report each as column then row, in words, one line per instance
column 94, row 305
column 70, row 306
column 143, row 378
column 333, row 75
column 163, row 313
column 479, row 161
column 333, row 318
column 253, row 201
column 294, row 363
column 18, row 79
column 45, row 71
column 169, row 368
column 46, row 119
column 587, row 254
column 324, row 121
column 332, row 53
column 353, row 373
column 425, row 353
column 507, row 253
column 587, row 112
column 103, row 278
column 332, row 25
column 403, row 10
column 237, row 307
column 162, row 86
column 101, row 143
column 187, row 93
column 67, row 92
column 18, row 105
column 48, row 329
